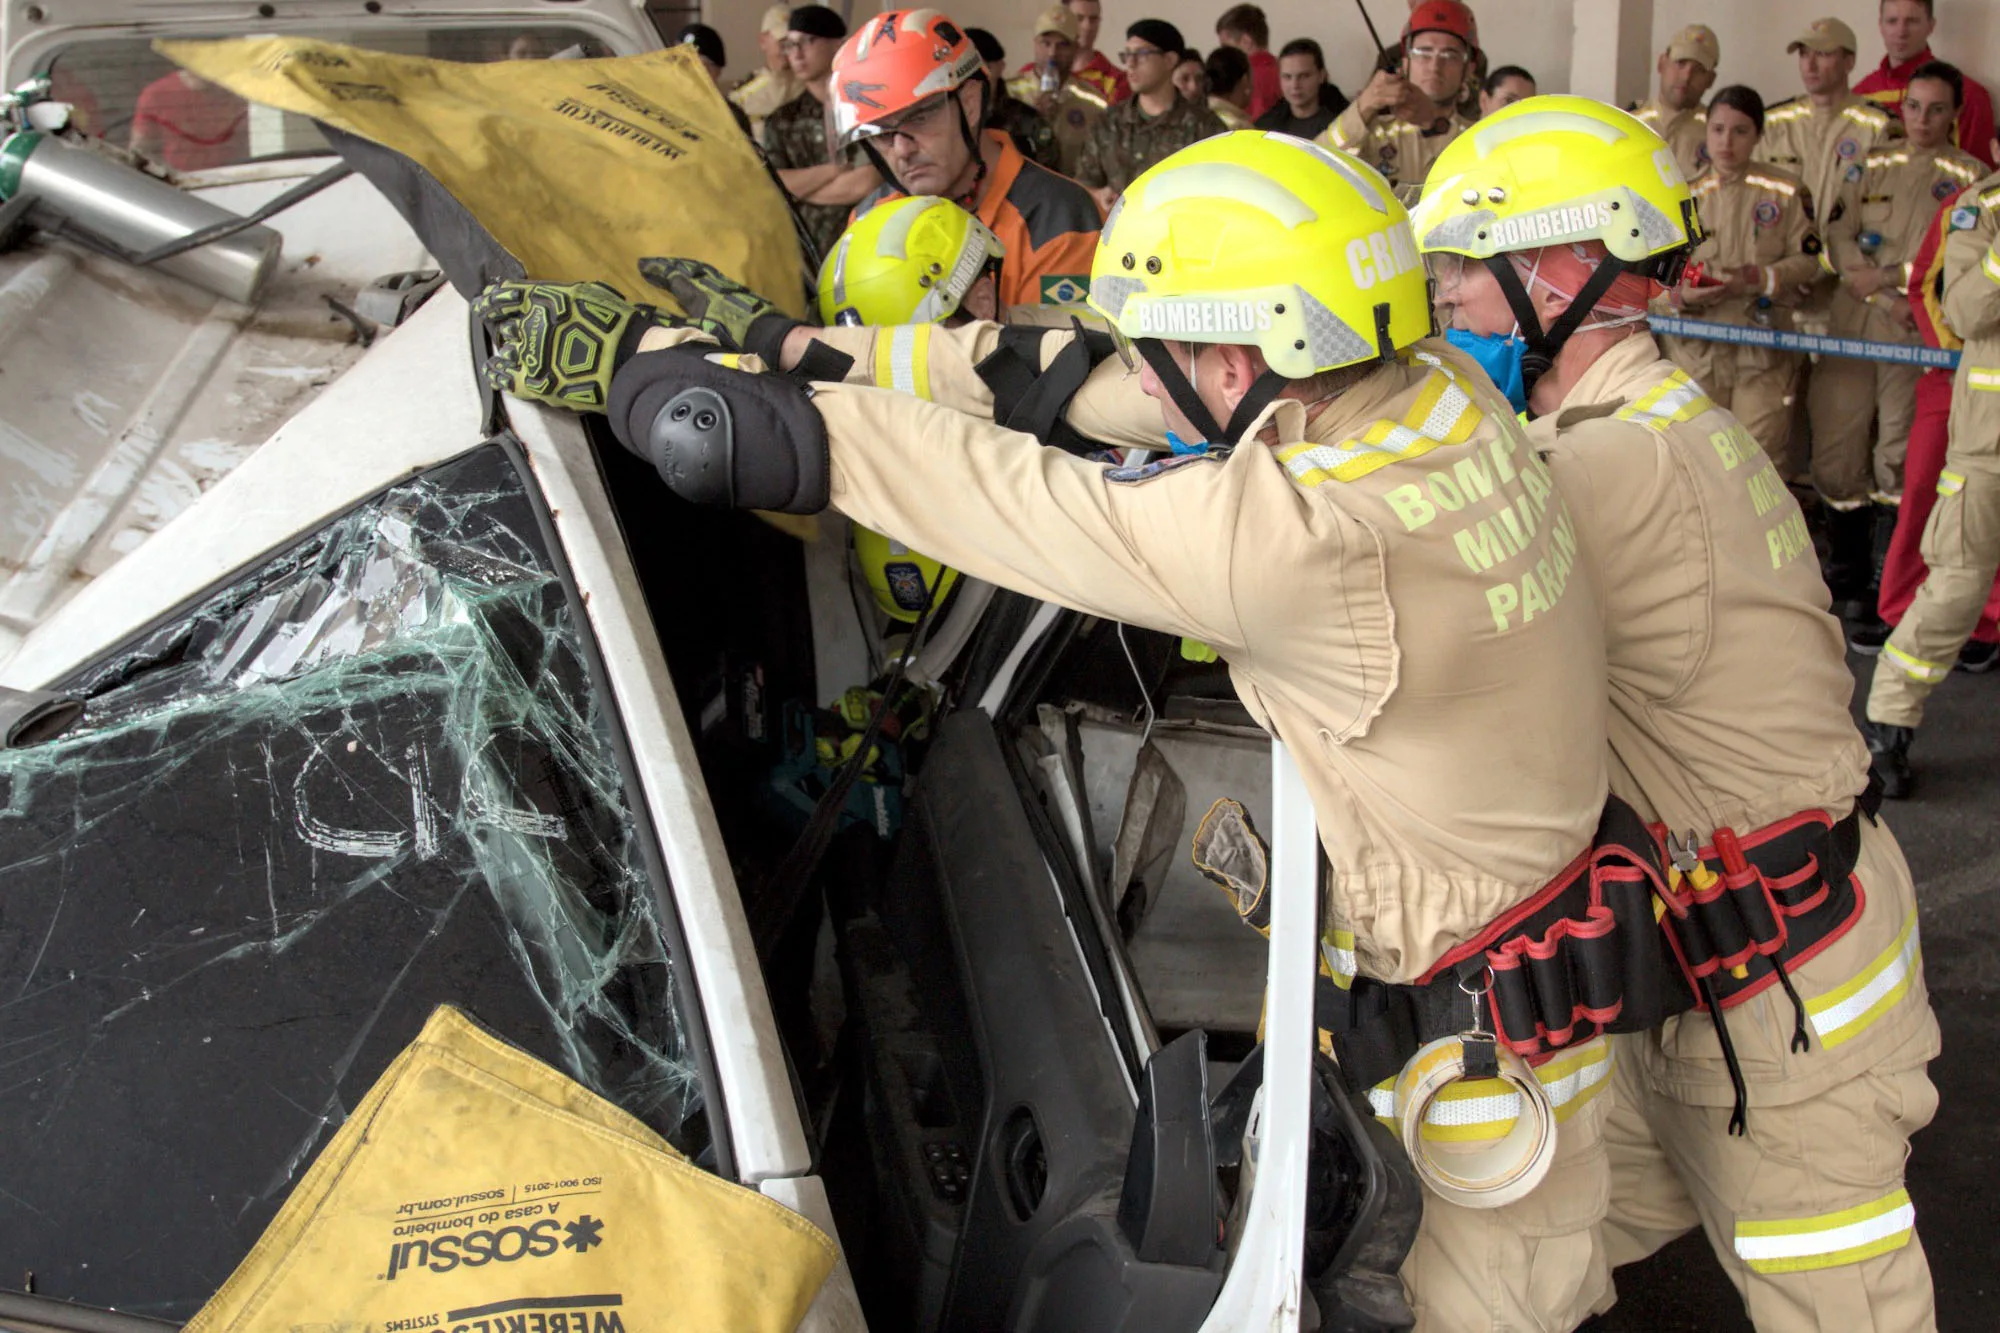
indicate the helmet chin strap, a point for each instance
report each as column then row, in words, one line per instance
column 1267, row 387
column 1545, row 344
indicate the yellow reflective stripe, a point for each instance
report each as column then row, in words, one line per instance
column 1676, row 398
column 1443, row 414
column 1336, row 953
column 903, row 359
column 1950, row 483
column 1990, row 265
column 1846, row 1011
column 1485, row 1108
column 1916, row 668
column 1803, row 1244
column 1983, row 378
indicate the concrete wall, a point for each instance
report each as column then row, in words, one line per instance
column 1754, row 34
column 1609, row 44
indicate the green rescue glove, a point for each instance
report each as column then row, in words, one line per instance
column 722, row 307
column 560, row 342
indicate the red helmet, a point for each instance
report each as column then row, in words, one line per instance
column 893, row 62
column 1444, row 16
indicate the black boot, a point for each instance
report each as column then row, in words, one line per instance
column 1889, row 750
column 1850, row 559
column 1867, row 633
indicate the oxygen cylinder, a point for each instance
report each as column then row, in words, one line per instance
column 136, row 212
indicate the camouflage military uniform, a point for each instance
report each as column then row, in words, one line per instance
column 1127, row 141
column 795, row 136
column 1029, row 130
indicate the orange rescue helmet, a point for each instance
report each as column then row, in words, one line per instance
column 891, row 63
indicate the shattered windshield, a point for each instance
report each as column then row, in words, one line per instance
column 371, row 776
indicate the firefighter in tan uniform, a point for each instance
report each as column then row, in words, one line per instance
column 1687, row 71
column 1760, row 247
column 1400, row 122
column 1706, row 574
column 1824, row 137
column 1073, row 106
column 1962, row 540
column 1898, row 196
column 774, row 85
column 1447, row 712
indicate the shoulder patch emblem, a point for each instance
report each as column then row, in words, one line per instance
column 1064, row 288
column 1767, row 213
column 1852, row 174
column 1943, row 190
column 1847, row 148
column 1964, row 219
column 1159, row 467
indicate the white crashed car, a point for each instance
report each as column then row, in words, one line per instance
column 429, row 698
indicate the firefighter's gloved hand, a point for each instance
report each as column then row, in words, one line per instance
column 722, row 307
column 560, row 342
column 718, row 435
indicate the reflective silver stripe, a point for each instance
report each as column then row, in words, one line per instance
column 903, row 359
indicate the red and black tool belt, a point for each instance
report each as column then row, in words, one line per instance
column 1616, row 943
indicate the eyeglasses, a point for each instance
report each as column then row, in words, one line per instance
column 790, row 44
column 1438, row 55
column 917, row 120
column 1132, row 55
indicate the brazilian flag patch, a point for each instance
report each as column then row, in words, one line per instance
column 1065, row 288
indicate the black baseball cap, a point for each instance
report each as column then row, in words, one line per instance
column 1158, row 33
column 988, row 46
column 706, row 41
column 817, row 21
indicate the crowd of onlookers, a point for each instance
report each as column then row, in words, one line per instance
column 1821, row 207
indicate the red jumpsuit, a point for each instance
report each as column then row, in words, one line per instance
column 1903, row 570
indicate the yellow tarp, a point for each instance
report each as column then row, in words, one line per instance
column 476, row 1190
column 577, row 167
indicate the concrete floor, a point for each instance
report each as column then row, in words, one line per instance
column 1950, row 831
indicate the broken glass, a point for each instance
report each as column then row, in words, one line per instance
column 371, row 776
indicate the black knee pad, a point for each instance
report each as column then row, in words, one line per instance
column 719, row 436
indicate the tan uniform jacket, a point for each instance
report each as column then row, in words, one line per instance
column 1827, row 149
column 937, row 364
column 1972, row 308
column 1403, row 609
column 1686, row 133
column 1764, row 218
column 1399, row 150
column 1709, row 579
column 1229, row 114
column 764, row 92
column 1076, row 112
column 1898, row 198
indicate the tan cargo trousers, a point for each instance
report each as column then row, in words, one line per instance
column 1962, row 547
column 1861, row 413
column 1806, row 1212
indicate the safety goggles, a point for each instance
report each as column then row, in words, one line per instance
column 921, row 119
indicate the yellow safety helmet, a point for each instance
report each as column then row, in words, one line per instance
column 1546, row 170
column 905, row 261
column 901, row 579
column 1267, row 241
column 1557, row 170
